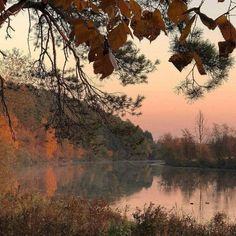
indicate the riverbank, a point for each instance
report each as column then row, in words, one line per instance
column 32, row 214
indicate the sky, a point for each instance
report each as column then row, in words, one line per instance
column 163, row 110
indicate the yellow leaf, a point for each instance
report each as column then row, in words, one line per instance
column 187, row 30
column 176, row 11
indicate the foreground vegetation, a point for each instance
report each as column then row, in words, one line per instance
column 29, row 214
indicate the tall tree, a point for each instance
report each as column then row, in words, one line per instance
column 200, row 127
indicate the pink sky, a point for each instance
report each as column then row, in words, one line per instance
column 163, row 110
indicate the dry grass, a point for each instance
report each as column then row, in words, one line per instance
column 31, row 214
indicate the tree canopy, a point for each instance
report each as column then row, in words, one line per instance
column 99, row 31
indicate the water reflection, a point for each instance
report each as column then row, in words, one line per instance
column 199, row 192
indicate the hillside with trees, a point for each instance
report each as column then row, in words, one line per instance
column 36, row 139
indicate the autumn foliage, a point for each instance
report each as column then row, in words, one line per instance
column 122, row 19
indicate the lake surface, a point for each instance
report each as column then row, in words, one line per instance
column 201, row 193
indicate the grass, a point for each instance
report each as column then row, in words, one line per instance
column 32, row 214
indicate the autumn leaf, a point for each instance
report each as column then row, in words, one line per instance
column 226, row 47
column 103, row 66
column 83, row 31
column 94, row 7
column 135, row 8
column 81, row 4
column 176, row 11
column 124, row 8
column 65, row 4
column 118, row 36
column 2, row 4
column 199, row 64
column 207, row 21
column 96, row 47
column 187, row 30
column 148, row 26
column 227, row 29
column 106, row 4
column 158, row 21
column 181, row 60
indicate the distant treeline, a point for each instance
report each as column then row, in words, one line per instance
column 214, row 148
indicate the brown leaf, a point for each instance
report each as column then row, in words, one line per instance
column 158, row 21
column 82, row 32
column 124, row 8
column 65, row 4
column 226, row 47
column 207, row 21
column 2, row 5
column 107, row 3
column 96, row 48
column 118, row 36
column 181, row 60
column 103, row 66
column 148, row 26
column 135, row 8
column 227, row 29
column 199, row 64
column 94, row 7
column 176, row 11
column 187, row 30
column 81, row 5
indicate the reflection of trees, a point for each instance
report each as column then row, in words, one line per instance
column 109, row 181
column 189, row 180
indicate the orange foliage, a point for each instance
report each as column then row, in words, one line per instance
column 51, row 146
column 5, row 134
column 50, row 182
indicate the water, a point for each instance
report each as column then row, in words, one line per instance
column 201, row 193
